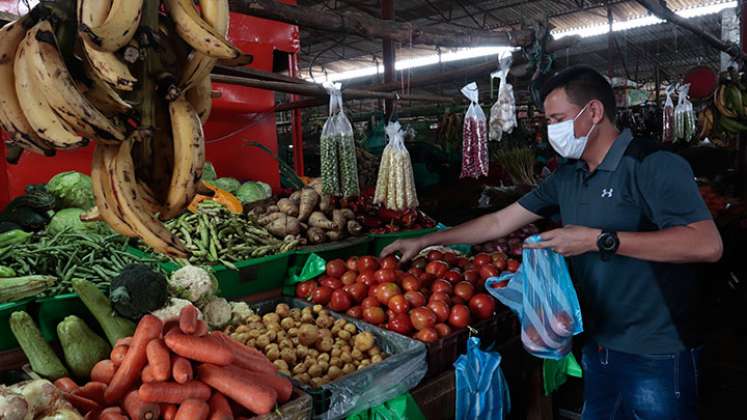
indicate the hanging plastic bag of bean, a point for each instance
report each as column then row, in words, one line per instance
column 395, row 186
column 503, row 112
column 668, row 117
column 684, row 116
column 339, row 166
column 475, row 136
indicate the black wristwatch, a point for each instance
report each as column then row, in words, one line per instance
column 608, row 242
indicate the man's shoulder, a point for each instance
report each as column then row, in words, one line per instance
column 648, row 152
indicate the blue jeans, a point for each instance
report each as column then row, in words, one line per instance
column 628, row 386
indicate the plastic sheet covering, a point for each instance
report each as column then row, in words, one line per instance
column 542, row 295
column 481, row 390
column 400, row 372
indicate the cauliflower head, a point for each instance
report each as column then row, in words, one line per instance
column 195, row 284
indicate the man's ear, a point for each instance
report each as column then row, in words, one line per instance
column 597, row 111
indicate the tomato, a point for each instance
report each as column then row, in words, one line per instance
column 390, row 313
column 426, row 279
column 420, row 263
column 357, row 291
column 453, row 276
column 462, row 262
column 562, row 324
column 372, row 291
column 488, row 270
column 304, row 289
column 532, row 340
column 470, row 266
column 415, row 271
column 442, row 286
column 499, row 260
column 459, row 316
column 321, row 295
column 422, row 317
column 464, row 290
column 442, row 329
column 435, row 255
column 415, row 298
column 349, row 277
column 374, row 315
column 331, row 282
column 482, row 259
column 367, row 277
column 499, row 284
column 385, row 276
column 513, row 265
column 457, row 300
column 386, row 291
column 355, row 312
column 400, row 323
column 427, row 335
column 398, row 304
column 352, row 264
column 482, row 305
column 370, row 302
column 368, row 263
column 410, row 282
column 441, row 309
column 451, row 258
column 472, row 276
column 336, row 268
column 340, row 301
column 389, row 263
column 443, row 297
column 437, row 268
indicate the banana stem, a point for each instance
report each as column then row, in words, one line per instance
column 148, row 25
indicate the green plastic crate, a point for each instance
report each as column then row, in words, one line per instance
column 7, row 339
column 381, row 240
column 54, row 309
column 254, row 276
column 332, row 250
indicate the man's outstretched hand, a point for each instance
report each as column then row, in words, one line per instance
column 407, row 248
column 568, row 241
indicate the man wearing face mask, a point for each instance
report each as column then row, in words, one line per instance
column 633, row 225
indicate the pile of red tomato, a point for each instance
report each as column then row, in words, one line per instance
column 437, row 294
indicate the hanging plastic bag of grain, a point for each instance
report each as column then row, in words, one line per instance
column 475, row 136
column 395, row 186
column 503, row 112
column 339, row 167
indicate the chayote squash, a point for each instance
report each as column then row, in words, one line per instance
column 81, row 346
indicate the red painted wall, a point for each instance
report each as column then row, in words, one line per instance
column 241, row 114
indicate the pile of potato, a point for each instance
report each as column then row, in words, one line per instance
column 308, row 344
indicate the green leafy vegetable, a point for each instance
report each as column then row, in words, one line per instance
column 72, row 189
column 69, row 219
column 252, row 191
column 208, row 172
column 227, row 184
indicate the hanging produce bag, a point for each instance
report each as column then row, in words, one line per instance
column 395, row 187
column 556, row 372
column 668, row 117
column 481, row 389
column 403, row 407
column 475, row 136
column 503, row 112
column 684, row 116
column 542, row 295
column 339, row 165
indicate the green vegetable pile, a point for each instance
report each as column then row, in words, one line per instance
column 67, row 255
column 72, row 189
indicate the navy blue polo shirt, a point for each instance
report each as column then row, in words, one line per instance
column 629, row 305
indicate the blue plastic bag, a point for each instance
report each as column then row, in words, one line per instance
column 481, row 389
column 542, row 295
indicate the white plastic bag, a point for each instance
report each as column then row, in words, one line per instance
column 684, row 116
column 668, row 117
column 475, row 136
column 503, row 112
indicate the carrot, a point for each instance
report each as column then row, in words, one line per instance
column 188, row 319
column 168, row 411
column 128, row 372
column 82, row 404
column 93, row 391
column 245, row 356
column 169, row 326
column 219, row 407
column 159, row 360
column 127, row 341
column 103, row 371
column 279, row 383
column 193, row 409
column 66, row 384
column 201, row 349
column 258, row 398
column 182, row 370
column 173, row 393
column 137, row 409
column 147, row 375
column 118, row 354
column 112, row 413
column 202, row 328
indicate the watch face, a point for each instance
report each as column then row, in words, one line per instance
column 608, row 242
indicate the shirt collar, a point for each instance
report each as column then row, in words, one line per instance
column 613, row 157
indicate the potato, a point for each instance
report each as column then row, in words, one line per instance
column 340, row 323
column 313, row 353
column 336, row 352
column 307, row 310
column 336, row 361
column 346, row 357
column 271, row 318
column 376, row 358
column 325, row 344
column 322, row 312
column 289, row 355
column 263, row 341
column 317, row 382
column 285, row 344
column 317, row 308
column 324, row 357
column 364, row 341
column 272, row 335
column 292, row 332
column 344, row 335
column 366, row 361
column 324, row 366
column 324, row 332
column 274, row 328
column 255, row 333
column 253, row 318
column 295, row 313
column 334, row 372
column 282, row 335
column 307, row 318
column 257, row 326
column 283, row 310
column 335, row 329
column 287, row 323
column 348, row 368
column 346, row 348
column 242, row 328
column 251, row 343
column 357, row 354
column 281, row 364
column 295, row 341
column 304, row 378
column 375, row 350
column 301, row 351
column 299, row 368
column 315, row 371
column 273, row 354
column 308, row 335
column 351, row 328
column 324, row 322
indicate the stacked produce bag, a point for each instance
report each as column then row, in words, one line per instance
column 503, row 112
column 395, row 187
column 339, row 165
column 684, row 116
column 668, row 117
column 475, row 138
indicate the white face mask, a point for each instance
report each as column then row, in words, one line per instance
column 563, row 138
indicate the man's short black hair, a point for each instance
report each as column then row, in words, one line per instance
column 582, row 84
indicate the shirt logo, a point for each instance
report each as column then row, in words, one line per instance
column 607, row 193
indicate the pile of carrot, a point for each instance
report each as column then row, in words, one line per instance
column 179, row 371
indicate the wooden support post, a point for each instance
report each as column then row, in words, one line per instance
column 296, row 123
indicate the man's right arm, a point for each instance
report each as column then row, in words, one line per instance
column 483, row 229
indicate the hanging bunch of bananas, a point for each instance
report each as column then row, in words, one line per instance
column 134, row 77
column 730, row 101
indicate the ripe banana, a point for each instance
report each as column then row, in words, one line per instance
column 117, row 29
column 102, row 95
column 189, row 157
column 61, row 91
column 705, row 119
column 152, row 232
column 37, row 110
column 200, row 96
column 12, row 119
column 106, row 202
column 105, row 64
column 719, row 99
column 199, row 34
column 199, row 66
